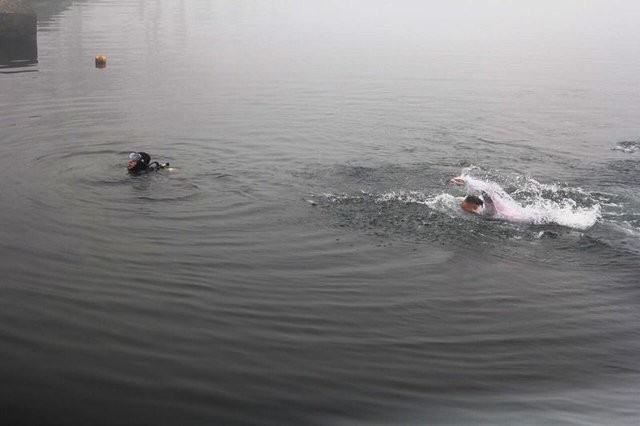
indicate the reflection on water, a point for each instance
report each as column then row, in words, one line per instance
column 46, row 9
column 18, row 34
column 18, row 56
column 21, row 53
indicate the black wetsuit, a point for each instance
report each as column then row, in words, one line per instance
column 145, row 164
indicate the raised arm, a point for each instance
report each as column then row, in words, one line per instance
column 497, row 201
column 457, row 181
column 489, row 206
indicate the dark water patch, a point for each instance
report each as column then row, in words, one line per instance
column 624, row 173
column 380, row 178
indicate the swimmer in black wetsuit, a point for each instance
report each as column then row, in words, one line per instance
column 141, row 162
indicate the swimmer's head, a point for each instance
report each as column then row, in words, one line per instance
column 472, row 204
column 138, row 161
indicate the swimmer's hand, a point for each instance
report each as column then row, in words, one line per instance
column 489, row 207
column 487, row 198
column 458, row 181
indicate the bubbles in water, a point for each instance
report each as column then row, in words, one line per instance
column 444, row 203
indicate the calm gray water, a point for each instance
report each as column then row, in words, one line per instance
column 304, row 262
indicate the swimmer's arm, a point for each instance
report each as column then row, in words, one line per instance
column 457, row 181
column 489, row 206
column 471, row 183
column 468, row 182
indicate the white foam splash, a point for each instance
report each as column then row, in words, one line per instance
column 404, row 196
column 544, row 204
column 444, row 203
column 531, row 202
column 564, row 213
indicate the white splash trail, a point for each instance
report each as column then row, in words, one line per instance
column 564, row 212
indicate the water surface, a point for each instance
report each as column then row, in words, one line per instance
column 305, row 262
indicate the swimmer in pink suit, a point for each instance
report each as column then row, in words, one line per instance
column 492, row 202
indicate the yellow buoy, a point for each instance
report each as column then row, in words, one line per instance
column 101, row 61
